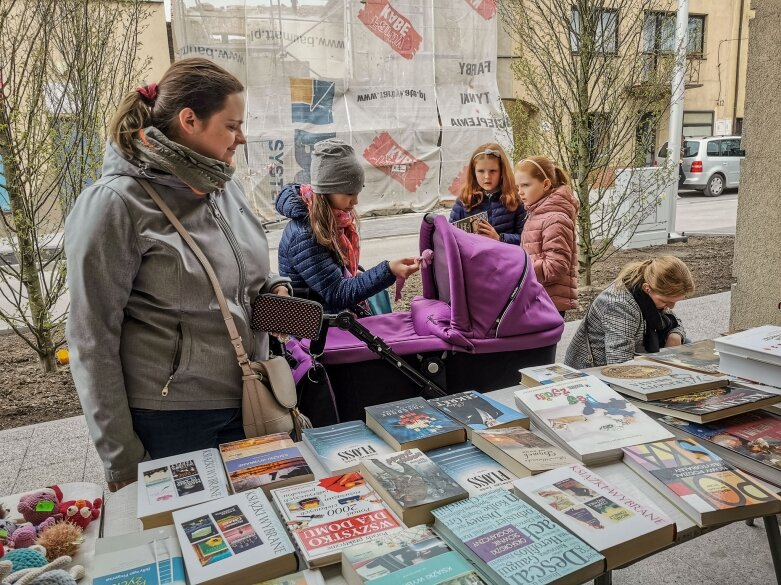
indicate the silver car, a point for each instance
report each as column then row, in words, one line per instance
column 710, row 164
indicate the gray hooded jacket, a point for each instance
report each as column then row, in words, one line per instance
column 145, row 330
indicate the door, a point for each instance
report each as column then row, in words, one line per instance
column 731, row 153
column 714, row 161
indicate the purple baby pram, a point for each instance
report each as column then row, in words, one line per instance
column 481, row 318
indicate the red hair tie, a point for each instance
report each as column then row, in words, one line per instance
column 148, row 91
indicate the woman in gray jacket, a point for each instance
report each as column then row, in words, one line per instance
column 150, row 355
column 633, row 315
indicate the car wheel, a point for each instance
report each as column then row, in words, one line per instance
column 715, row 186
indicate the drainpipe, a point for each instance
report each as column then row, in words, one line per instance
column 676, row 115
column 737, row 69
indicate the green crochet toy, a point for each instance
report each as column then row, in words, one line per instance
column 28, row 566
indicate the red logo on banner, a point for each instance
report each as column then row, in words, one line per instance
column 385, row 154
column 390, row 26
column 485, row 8
column 458, row 182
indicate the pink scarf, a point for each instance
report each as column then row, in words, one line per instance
column 348, row 240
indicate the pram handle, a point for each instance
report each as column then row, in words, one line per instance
column 347, row 321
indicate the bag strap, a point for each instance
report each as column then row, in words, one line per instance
column 230, row 324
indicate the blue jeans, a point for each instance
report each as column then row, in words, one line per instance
column 172, row 432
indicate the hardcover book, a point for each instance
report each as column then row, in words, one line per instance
column 645, row 380
column 414, row 555
column 176, row 482
column 512, row 542
column 329, row 515
column 590, row 420
column 411, row 484
column 266, row 462
column 521, row 451
column 750, row 441
column 477, row 412
column 710, row 405
column 152, row 557
column 472, row 469
column 619, row 526
column 700, row 356
column 308, row 577
column 237, row 539
column 754, row 354
column 700, row 482
column 413, row 424
column 340, row 447
column 550, row 374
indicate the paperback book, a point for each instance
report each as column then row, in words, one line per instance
column 700, row 356
column 471, row 224
column 645, row 380
column 413, row 424
column 754, row 354
column 619, row 526
column 237, row 539
column 472, row 469
column 414, row 555
column 750, row 441
column 329, row 515
column 266, row 462
column 700, row 482
column 176, row 482
column 152, row 557
column 550, row 374
column 340, row 447
column 710, row 405
column 477, row 412
column 512, row 542
column 522, row 452
column 590, row 420
column 308, row 577
column 411, row 484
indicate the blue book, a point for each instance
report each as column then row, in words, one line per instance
column 152, row 557
column 474, row 471
column 413, row 424
column 448, row 568
column 479, row 412
column 511, row 542
column 340, row 447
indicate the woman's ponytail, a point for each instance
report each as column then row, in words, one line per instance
column 133, row 115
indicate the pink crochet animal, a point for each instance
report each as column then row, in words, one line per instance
column 40, row 505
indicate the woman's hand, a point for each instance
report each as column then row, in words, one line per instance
column 486, row 229
column 281, row 290
column 673, row 340
column 405, row 267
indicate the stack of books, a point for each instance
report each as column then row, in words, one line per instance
column 472, row 469
column 754, row 354
column 413, row 424
column 521, row 451
column 339, row 448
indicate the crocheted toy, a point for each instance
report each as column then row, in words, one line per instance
column 7, row 528
column 29, row 566
column 60, row 539
column 40, row 505
column 80, row 512
column 26, row 534
column 25, row 558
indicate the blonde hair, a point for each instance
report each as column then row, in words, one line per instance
column 322, row 219
column 541, row 168
column 666, row 275
column 471, row 193
column 194, row 83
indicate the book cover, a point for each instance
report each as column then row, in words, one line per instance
column 307, row 577
column 513, row 542
column 175, row 482
column 447, row 569
column 341, row 447
column 411, row 419
column 710, row 403
column 470, row 224
column 700, row 356
column 759, row 343
column 474, row 471
column 591, row 418
column 262, row 461
column 597, row 511
column 756, row 435
column 699, row 477
column 647, row 380
column 236, row 534
column 530, row 450
column 412, row 479
column 331, row 514
column 478, row 411
column 152, row 557
column 549, row 374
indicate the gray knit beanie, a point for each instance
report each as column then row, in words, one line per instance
column 335, row 168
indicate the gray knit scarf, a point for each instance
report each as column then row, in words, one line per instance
column 202, row 174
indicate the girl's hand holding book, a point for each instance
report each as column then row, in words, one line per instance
column 486, row 229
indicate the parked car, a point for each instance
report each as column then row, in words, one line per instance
column 710, row 164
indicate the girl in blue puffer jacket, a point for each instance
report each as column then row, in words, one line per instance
column 320, row 248
column 490, row 187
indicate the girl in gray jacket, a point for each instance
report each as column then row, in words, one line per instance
column 151, row 358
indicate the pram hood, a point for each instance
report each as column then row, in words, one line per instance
column 489, row 286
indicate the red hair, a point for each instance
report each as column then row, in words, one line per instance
column 541, row 168
column 471, row 193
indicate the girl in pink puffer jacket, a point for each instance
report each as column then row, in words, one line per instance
column 549, row 233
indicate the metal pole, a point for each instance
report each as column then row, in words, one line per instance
column 676, row 112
